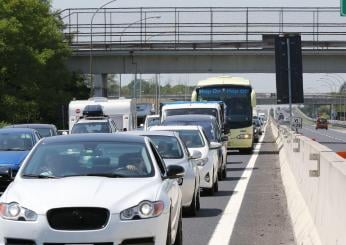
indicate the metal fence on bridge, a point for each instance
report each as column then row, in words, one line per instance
column 185, row 28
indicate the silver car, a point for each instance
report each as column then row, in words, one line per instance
column 174, row 152
column 196, row 140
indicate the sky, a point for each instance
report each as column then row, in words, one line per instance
column 261, row 82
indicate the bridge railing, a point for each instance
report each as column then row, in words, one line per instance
column 201, row 28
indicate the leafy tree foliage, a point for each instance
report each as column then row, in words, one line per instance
column 34, row 82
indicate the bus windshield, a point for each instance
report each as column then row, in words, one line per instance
column 237, row 100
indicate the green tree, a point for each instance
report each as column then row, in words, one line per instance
column 34, row 82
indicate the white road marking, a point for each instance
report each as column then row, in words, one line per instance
column 224, row 229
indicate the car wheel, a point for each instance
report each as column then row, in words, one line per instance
column 192, row 210
column 216, row 186
column 179, row 236
column 224, row 173
column 169, row 231
column 247, row 150
column 211, row 190
column 198, row 199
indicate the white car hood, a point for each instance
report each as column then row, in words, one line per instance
column 115, row 194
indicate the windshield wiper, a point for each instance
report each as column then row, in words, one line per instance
column 108, row 175
column 40, row 176
column 13, row 149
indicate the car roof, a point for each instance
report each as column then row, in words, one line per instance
column 178, row 127
column 159, row 133
column 190, row 117
column 86, row 120
column 31, row 125
column 98, row 137
column 17, row 130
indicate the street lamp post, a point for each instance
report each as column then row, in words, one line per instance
column 91, row 41
column 335, row 80
column 120, row 41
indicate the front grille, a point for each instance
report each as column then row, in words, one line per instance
column 139, row 241
column 78, row 218
column 13, row 241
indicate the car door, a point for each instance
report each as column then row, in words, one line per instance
column 191, row 162
column 213, row 154
column 172, row 189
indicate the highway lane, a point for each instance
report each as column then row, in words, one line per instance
column 262, row 215
column 335, row 139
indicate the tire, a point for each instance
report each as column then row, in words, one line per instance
column 224, row 173
column 179, row 236
column 211, row 191
column 216, row 186
column 247, row 150
column 192, row 209
column 169, row 232
column 198, row 201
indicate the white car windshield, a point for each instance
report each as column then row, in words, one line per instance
column 91, row 127
column 107, row 159
column 168, row 147
column 191, row 138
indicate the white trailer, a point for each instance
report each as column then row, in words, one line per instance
column 122, row 111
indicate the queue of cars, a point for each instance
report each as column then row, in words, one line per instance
column 121, row 187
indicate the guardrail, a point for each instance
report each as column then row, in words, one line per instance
column 314, row 179
column 191, row 28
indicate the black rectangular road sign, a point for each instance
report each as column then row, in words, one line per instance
column 281, row 61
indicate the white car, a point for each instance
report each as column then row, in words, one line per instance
column 91, row 189
column 151, row 120
column 94, row 125
column 195, row 139
column 174, row 152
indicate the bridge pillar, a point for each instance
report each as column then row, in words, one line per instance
column 100, row 85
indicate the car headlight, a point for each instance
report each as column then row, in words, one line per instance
column 244, row 136
column 202, row 161
column 144, row 210
column 13, row 211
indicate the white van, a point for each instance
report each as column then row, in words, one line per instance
column 122, row 111
column 185, row 108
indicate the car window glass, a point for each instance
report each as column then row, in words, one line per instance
column 90, row 158
column 159, row 160
column 167, row 146
column 191, row 138
column 15, row 141
column 91, row 127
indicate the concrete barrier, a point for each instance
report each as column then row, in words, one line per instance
column 315, row 179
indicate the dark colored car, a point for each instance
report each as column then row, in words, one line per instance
column 15, row 144
column 45, row 130
column 257, row 129
column 211, row 129
column 321, row 123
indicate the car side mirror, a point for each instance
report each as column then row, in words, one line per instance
column 225, row 138
column 196, row 154
column 215, row 145
column 6, row 173
column 175, row 172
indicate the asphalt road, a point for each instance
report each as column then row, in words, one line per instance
column 335, row 139
column 250, row 207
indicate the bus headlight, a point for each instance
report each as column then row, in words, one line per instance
column 244, row 136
